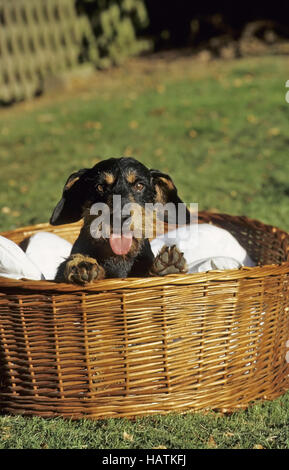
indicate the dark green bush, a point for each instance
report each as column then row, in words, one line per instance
column 114, row 24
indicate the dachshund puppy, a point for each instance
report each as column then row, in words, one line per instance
column 118, row 254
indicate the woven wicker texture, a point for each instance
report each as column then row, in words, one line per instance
column 131, row 347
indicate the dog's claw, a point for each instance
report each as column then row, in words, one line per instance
column 84, row 272
column 170, row 260
column 80, row 269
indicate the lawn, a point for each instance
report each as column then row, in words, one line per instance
column 220, row 129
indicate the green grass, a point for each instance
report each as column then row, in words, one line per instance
column 261, row 426
column 221, row 131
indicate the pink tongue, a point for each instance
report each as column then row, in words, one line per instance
column 120, row 244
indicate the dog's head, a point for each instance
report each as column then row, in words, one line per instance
column 126, row 178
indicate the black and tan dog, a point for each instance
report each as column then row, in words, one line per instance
column 118, row 255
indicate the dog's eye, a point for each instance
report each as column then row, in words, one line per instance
column 100, row 188
column 138, row 187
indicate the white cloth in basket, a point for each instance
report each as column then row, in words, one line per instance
column 205, row 247
column 47, row 250
column 44, row 253
column 15, row 264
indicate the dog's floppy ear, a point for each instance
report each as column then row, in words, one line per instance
column 69, row 208
column 166, row 190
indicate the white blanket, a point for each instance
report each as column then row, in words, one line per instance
column 44, row 253
column 205, row 247
column 14, row 263
column 47, row 250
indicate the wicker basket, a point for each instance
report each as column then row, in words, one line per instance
column 124, row 348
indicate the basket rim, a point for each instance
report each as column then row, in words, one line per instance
column 143, row 282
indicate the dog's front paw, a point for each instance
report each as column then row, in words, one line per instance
column 170, row 260
column 80, row 269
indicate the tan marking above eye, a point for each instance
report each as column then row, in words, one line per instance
column 131, row 177
column 99, row 187
column 109, row 177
